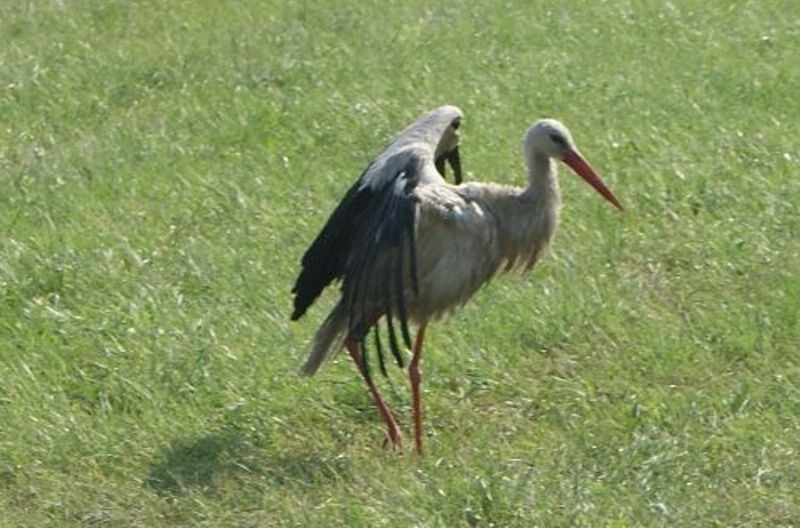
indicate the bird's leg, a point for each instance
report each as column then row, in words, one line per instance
column 391, row 424
column 415, row 377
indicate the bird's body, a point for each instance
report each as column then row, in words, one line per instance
column 421, row 247
column 467, row 233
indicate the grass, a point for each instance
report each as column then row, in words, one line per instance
column 163, row 165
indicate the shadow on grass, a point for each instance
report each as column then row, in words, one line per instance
column 195, row 463
column 202, row 463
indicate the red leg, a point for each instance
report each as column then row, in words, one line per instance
column 391, row 424
column 415, row 377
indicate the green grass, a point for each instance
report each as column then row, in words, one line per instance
column 163, row 165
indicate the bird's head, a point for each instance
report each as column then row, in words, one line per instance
column 551, row 139
column 447, row 148
column 548, row 137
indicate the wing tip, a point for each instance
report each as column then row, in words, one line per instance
column 297, row 313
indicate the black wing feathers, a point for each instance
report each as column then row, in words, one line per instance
column 367, row 224
column 379, row 253
column 369, row 244
column 326, row 259
column 382, row 258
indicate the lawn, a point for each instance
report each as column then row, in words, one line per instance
column 163, row 166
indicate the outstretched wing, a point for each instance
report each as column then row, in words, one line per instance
column 425, row 144
column 368, row 242
column 370, row 209
column 382, row 267
column 326, row 259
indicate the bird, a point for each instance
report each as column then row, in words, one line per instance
column 408, row 247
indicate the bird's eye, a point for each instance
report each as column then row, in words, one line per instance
column 455, row 124
column 558, row 140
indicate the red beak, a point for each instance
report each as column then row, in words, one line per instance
column 585, row 171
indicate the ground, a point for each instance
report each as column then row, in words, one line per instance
column 163, row 166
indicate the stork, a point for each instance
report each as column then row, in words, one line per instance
column 409, row 247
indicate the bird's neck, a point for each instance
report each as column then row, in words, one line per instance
column 527, row 217
column 542, row 180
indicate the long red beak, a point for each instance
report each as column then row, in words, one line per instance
column 585, row 171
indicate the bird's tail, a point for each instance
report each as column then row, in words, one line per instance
column 326, row 341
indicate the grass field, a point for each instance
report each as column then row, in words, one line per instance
column 163, row 165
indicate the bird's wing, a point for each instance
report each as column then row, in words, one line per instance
column 370, row 216
column 368, row 242
column 417, row 151
column 326, row 258
column 381, row 269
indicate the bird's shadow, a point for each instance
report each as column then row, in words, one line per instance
column 200, row 464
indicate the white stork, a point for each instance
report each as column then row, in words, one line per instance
column 408, row 246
